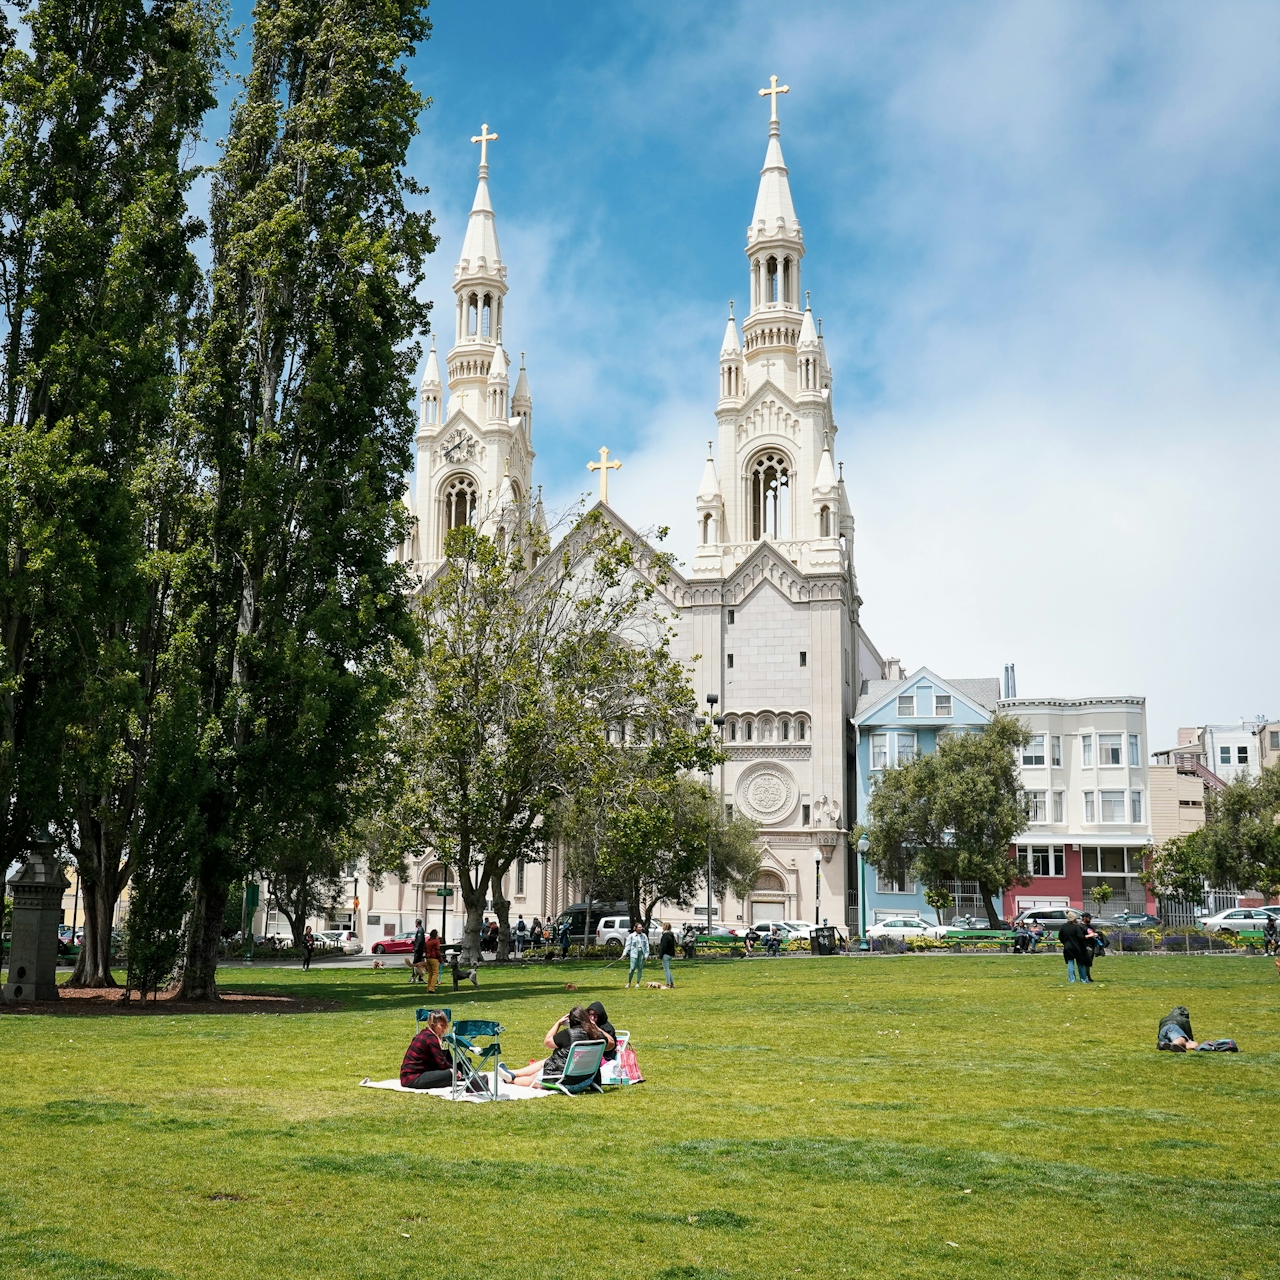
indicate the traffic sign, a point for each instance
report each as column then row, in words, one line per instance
column 444, row 893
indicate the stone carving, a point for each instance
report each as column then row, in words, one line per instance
column 826, row 813
column 766, row 792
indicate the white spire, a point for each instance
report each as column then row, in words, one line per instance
column 499, row 366
column 732, row 345
column 808, row 330
column 520, row 397
column 824, row 483
column 480, row 252
column 709, row 489
column 431, row 374
column 773, row 198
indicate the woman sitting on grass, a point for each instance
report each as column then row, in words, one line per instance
column 426, row 1064
column 576, row 1026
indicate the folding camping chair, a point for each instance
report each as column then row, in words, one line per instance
column 611, row 1074
column 580, row 1069
column 470, row 1059
column 420, row 1016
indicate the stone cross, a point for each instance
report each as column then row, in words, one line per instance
column 767, row 366
column 604, row 466
column 485, row 137
column 772, row 94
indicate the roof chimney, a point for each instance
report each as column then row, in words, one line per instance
column 1010, row 681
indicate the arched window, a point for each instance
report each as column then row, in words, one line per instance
column 824, row 522
column 438, row 875
column 786, row 279
column 486, row 316
column 459, row 502
column 733, row 731
column 771, row 280
column 770, row 496
column 472, row 313
column 802, row 731
column 747, row 727
column 784, row 730
column 706, row 528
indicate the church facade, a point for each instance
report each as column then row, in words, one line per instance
column 767, row 616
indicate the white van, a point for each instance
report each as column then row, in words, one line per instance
column 612, row 932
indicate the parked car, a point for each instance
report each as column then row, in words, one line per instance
column 1131, row 920
column 799, row 929
column 342, row 940
column 400, row 942
column 1237, row 919
column 1050, row 919
column 903, row 927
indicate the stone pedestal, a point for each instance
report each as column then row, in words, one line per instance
column 37, row 887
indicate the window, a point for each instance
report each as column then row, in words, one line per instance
column 1059, row 805
column 459, row 503
column 941, row 704
column 731, row 617
column 520, row 876
column 733, row 731
column 1135, row 806
column 906, row 704
column 1033, row 752
column 748, row 727
column 784, row 730
column 804, row 658
column 1035, row 806
column 770, row 496
column 1224, row 755
column 1242, row 755
column 1112, row 806
column 1135, row 760
column 801, row 730
column 1041, row 860
column 894, row 882
column 728, row 661
column 1089, row 860
column 1109, row 748
column 1055, row 751
column 1275, row 739
column 1112, row 861
column 1088, row 807
column 804, row 815
column 906, row 748
column 1086, row 750
column 879, row 750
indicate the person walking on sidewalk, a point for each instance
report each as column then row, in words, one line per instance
column 636, row 949
column 308, row 946
column 667, row 952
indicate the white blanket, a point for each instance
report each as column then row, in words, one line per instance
column 506, row 1092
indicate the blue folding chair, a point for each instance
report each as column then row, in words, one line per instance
column 580, row 1069
column 420, row 1016
column 470, row 1058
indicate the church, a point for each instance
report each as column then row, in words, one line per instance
column 767, row 617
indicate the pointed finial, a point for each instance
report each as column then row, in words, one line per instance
column 772, row 94
column 730, row 308
column 522, row 359
column 807, row 303
column 819, row 326
column 484, row 137
column 841, row 466
column 710, row 455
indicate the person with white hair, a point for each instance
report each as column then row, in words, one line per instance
column 1072, row 936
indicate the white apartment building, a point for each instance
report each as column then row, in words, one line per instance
column 1086, row 781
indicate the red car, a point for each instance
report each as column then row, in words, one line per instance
column 401, row 942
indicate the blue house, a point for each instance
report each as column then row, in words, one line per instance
column 895, row 721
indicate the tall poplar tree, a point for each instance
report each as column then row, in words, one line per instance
column 101, row 104
column 301, row 402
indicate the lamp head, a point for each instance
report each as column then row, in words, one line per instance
column 712, row 699
column 817, row 855
column 718, row 721
column 864, row 843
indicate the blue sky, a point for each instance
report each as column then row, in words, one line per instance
column 1043, row 238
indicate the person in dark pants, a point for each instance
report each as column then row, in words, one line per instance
column 1094, row 945
column 419, row 947
column 666, row 953
column 1072, row 937
column 564, row 939
column 426, row 1064
column 1271, row 936
column 308, row 946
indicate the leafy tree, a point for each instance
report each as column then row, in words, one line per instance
column 1239, row 843
column 301, row 405
column 1101, row 895
column 101, row 107
column 939, row 899
column 522, row 671
column 954, row 813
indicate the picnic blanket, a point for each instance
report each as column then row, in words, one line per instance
column 506, row 1092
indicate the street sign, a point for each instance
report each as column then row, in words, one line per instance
column 444, row 893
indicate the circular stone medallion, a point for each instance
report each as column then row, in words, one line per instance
column 766, row 792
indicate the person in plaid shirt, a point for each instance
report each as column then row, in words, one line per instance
column 426, row 1064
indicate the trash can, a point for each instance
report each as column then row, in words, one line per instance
column 822, row 941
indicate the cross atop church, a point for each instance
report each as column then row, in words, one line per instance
column 767, row 366
column 772, row 94
column 484, row 137
column 604, row 466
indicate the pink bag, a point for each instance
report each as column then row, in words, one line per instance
column 627, row 1064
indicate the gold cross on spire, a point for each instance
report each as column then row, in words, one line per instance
column 604, row 466
column 771, row 93
column 484, row 137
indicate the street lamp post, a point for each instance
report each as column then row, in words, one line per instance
column 817, row 887
column 863, row 845
column 718, row 721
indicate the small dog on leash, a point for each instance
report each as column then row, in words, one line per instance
column 379, row 964
column 419, row 968
column 655, row 986
column 571, row 986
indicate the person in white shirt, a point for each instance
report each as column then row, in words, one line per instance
column 636, row 949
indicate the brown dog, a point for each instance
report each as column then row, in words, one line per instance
column 419, row 968
column 379, row 964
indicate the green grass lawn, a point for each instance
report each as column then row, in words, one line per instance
column 938, row 1116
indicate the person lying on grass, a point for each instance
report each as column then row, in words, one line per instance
column 1175, row 1035
column 576, row 1025
column 426, row 1063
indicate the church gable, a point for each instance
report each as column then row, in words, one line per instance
column 767, row 413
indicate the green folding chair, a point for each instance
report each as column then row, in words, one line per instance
column 580, row 1069
column 470, row 1059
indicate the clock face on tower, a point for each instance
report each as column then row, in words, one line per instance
column 459, row 446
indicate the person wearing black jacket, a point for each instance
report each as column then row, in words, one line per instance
column 1072, row 937
column 667, row 952
column 1094, row 945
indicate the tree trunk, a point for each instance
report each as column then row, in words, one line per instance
column 502, row 909
column 204, row 935
column 993, row 918
column 473, row 900
column 93, row 964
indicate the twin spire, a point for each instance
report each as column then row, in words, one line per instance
column 480, row 252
